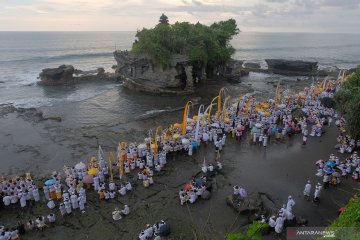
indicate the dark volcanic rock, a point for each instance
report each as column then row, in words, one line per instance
column 252, row 65
column 328, row 102
column 300, row 221
column 291, row 67
column 251, row 204
column 57, row 76
column 64, row 74
column 244, row 72
column 233, row 70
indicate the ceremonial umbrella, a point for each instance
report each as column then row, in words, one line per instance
column 50, row 182
column 88, row 179
column 328, row 170
column 80, row 166
column 199, row 182
column 93, row 171
column 330, row 164
column 188, row 187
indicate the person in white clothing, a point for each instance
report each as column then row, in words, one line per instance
column 116, row 215
column 279, row 224
column 272, row 221
column 81, row 201
column 126, row 210
column 290, row 204
column 149, row 231
column 122, row 190
column 36, row 195
column 51, row 204
column 307, row 190
column 128, row 186
column 62, row 209
column 242, row 192
column 236, row 190
column 111, row 186
column 51, row 218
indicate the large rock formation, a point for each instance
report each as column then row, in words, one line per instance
column 141, row 73
column 292, row 67
column 233, row 70
column 64, row 74
column 256, row 203
column 57, row 76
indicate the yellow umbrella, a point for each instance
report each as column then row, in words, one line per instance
column 266, row 105
column 93, row 171
column 227, row 120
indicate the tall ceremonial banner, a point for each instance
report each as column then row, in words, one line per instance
column 200, row 115
column 111, row 160
column 121, row 161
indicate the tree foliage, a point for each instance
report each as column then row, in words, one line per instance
column 209, row 45
column 252, row 233
column 347, row 225
column 348, row 103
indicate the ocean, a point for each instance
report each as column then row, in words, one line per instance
column 24, row 54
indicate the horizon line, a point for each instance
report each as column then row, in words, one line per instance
column 80, row 31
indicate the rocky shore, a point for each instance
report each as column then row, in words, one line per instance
column 182, row 77
column 64, row 75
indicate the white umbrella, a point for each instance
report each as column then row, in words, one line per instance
column 258, row 125
column 80, row 166
column 185, row 141
column 189, row 128
column 142, row 146
column 282, row 105
column 215, row 125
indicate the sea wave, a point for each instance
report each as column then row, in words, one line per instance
column 60, row 57
column 157, row 112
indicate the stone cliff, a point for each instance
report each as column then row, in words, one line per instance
column 141, row 73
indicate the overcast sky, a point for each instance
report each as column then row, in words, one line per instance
column 129, row 15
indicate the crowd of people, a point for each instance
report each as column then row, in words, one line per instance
column 285, row 215
column 155, row 231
